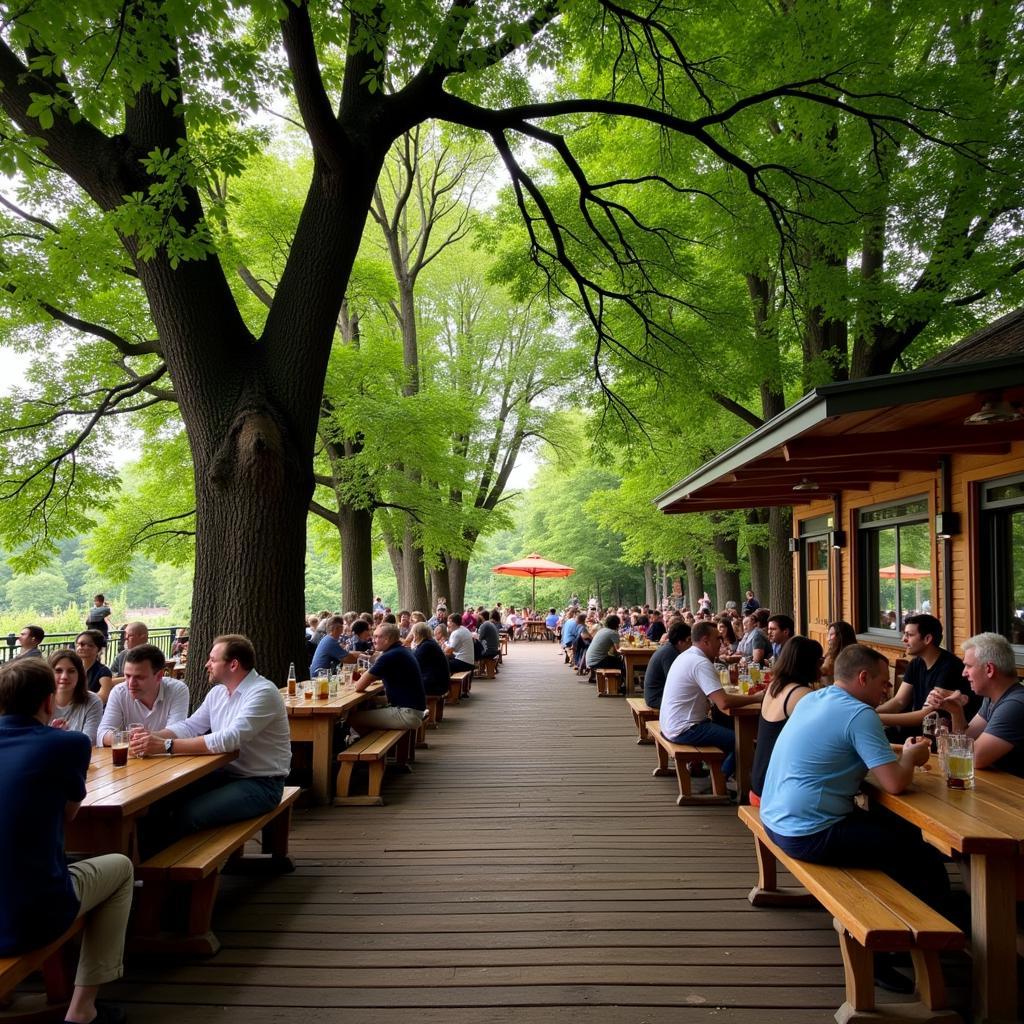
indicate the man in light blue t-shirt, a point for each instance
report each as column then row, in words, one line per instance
column 831, row 741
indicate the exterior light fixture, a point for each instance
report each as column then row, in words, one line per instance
column 994, row 409
column 807, row 484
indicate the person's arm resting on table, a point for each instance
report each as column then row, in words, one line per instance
column 189, row 736
column 899, row 703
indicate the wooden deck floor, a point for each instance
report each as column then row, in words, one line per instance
column 530, row 870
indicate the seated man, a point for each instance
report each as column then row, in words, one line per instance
column 657, row 629
column 135, row 633
column 489, row 637
column 832, row 739
column 571, row 629
column 460, row 650
column 396, row 667
column 431, row 660
column 40, row 894
column 329, row 653
column 29, row 640
column 998, row 727
column 603, row 651
column 243, row 712
column 145, row 697
column 753, row 645
column 690, row 684
column 362, row 639
column 551, row 623
column 931, row 666
column 780, row 629
column 678, row 640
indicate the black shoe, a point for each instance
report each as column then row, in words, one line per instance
column 889, row 979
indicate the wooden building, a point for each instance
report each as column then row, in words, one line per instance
column 907, row 494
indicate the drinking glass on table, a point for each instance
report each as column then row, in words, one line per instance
column 133, row 729
column 959, row 761
column 119, row 748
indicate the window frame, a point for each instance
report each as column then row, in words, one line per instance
column 867, row 590
column 992, row 590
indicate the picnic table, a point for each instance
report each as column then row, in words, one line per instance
column 986, row 827
column 745, row 720
column 634, row 658
column 536, row 629
column 116, row 798
column 313, row 721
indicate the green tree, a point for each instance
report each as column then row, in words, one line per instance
column 39, row 592
column 131, row 116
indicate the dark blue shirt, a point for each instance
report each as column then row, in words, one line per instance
column 42, row 769
column 329, row 653
column 399, row 671
column 433, row 667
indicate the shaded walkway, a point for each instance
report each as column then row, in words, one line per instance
column 530, row 870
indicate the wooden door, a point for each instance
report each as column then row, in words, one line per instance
column 817, row 590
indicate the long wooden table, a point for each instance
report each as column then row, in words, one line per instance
column 116, row 798
column 985, row 826
column 536, row 629
column 313, row 721
column 634, row 658
column 745, row 720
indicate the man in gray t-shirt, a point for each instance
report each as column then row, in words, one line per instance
column 603, row 651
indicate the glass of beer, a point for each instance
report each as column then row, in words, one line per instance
column 960, row 762
column 119, row 748
column 307, row 690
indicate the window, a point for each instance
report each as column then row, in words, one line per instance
column 895, row 545
column 1002, row 539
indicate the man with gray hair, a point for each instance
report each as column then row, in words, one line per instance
column 998, row 727
column 135, row 635
column 396, row 667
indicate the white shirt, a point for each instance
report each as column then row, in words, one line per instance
column 83, row 717
column 461, row 643
column 171, row 705
column 252, row 720
column 684, row 703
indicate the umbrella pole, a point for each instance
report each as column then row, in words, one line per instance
column 534, row 594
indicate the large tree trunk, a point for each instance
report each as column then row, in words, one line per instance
column 355, row 527
column 694, row 583
column 414, row 595
column 650, row 589
column 758, row 555
column 440, row 588
column 457, row 569
column 727, row 574
column 780, row 562
column 251, row 502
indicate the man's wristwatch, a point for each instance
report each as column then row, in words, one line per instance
column 169, row 746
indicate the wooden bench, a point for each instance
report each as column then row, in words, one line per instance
column 684, row 757
column 487, row 668
column 642, row 714
column 608, row 682
column 57, row 964
column 459, row 686
column 372, row 750
column 503, row 644
column 195, row 863
column 871, row 913
column 435, row 709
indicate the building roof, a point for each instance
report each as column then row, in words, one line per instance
column 850, row 435
column 1002, row 337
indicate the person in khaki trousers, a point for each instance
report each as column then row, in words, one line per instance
column 40, row 894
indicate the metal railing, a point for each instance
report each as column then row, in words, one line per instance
column 162, row 637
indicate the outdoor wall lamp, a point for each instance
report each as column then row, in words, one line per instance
column 947, row 524
column 837, row 538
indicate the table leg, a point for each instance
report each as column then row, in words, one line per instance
column 746, row 733
column 994, row 938
column 318, row 730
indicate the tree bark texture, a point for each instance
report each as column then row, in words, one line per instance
column 457, row 570
column 694, row 583
column 650, row 589
column 727, row 574
column 355, row 528
column 780, row 561
column 440, row 588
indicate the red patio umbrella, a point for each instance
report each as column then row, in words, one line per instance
column 533, row 565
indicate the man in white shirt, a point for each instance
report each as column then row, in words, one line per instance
column 460, row 650
column 135, row 634
column 145, row 697
column 690, row 684
column 245, row 713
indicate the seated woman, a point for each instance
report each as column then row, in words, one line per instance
column 431, row 659
column 87, row 646
column 77, row 710
column 840, row 635
column 797, row 668
column 727, row 652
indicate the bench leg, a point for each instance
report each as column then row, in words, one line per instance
column 274, row 838
column 767, row 892
column 376, row 781
column 931, row 986
column 663, row 768
column 200, row 909
column 683, row 778
column 859, row 968
column 59, row 974
column 717, row 779
column 344, row 781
